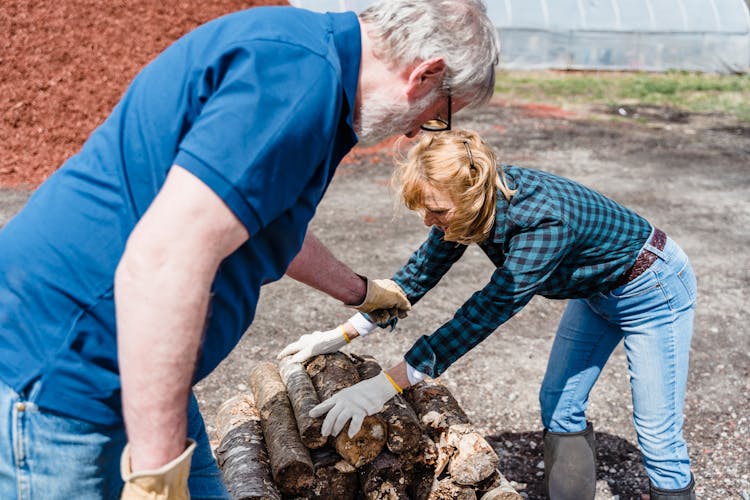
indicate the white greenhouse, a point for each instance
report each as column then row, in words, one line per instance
column 644, row 35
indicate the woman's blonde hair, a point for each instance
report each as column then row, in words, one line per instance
column 459, row 164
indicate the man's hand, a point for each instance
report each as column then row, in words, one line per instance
column 315, row 343
column 384, row 300
column 355, row 403
column 169, row 482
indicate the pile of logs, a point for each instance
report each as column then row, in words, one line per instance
column 420, row 446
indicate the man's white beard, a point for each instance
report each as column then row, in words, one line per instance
column 382, row 116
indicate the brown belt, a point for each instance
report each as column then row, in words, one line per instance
column 644, row 259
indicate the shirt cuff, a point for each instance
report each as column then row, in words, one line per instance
column 414, row 375
column 361, row 324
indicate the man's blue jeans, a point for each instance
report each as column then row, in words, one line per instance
column 654, row 316
column 44, row 455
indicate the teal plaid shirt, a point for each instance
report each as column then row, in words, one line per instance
column 555, row 238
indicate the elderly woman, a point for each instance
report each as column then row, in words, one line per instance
column 625, row 280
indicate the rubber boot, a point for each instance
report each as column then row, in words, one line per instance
column 570, row 464
column 686, row 493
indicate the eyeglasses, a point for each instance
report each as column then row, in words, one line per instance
column 438, row 124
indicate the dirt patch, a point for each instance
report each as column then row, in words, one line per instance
column 65, row 63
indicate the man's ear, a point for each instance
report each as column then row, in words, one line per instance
column 425, row 77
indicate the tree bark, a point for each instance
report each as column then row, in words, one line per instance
column 334, row 478
column 462, row 452
column 241, row 453
column 291, row 465
column 445, row 489
column 498, row 489
column 435, row 406
column 303, row 398
column 404, row 430
column 329, row 374
column 384, row 478
column 421, row 482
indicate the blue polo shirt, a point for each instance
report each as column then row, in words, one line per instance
column 258, row 104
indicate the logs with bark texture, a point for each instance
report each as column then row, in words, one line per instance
column 303, row 397
column 404, row 431
column 384, row 478
column 461, row 466
column 334, row 478
column 241, row 453
column 499, row 489
column 329, row 374
column 436, row 407
column 462, row 452
column 291, row 465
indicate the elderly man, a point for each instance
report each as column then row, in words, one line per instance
column 136, row 268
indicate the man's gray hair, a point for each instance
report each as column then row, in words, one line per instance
column 459, row 31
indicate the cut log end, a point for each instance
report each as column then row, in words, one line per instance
column 365, row 445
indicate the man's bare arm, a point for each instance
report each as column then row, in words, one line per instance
column 316, row 266
column 162, row 290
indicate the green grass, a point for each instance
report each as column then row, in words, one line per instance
column 693, row 92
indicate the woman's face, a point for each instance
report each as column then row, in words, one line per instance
column 438, row 208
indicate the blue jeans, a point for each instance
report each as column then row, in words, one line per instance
column 654, row 316
column 44, row 455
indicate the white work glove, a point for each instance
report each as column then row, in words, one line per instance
column 355, row 403
column 384, row 300
column 315, row 343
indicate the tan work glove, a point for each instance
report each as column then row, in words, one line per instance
column 384, row 300
column 169, row 482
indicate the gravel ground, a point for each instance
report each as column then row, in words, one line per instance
column 67, row 61
column 691, row 179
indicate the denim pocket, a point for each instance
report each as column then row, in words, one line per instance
column 687, row 278
column 643, row 284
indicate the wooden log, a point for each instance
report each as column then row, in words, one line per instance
column 291, row 464
column 384, row 478
column 365, row 445
column 462, row 452
column 472, row 459
column 498, row 489
column 435, row 406
column 329, row 374
column 335, row 479
column 421, row 482
column 404, row 430
column 303, row 397
column 241, row 453
column 445, row 489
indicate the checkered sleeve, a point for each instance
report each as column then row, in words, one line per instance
column 533, row 255
column 428, row 265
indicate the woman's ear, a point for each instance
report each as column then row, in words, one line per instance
column 425, row 77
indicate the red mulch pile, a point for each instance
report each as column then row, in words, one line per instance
column 65, row 63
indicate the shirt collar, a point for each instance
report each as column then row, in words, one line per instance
column 502, row 206
column 348, row 41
